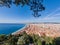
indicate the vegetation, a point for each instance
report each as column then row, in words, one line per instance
column 25, row 39
column 35, row 5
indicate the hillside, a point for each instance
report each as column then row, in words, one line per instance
column 51, row 30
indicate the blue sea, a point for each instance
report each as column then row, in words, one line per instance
column 8, row 28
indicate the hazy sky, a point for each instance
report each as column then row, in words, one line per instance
column 22, row 15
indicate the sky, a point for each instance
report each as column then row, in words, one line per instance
column 24, row 14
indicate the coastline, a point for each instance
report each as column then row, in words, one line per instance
column 40, row 29
column 20, row 29
column 32, row 23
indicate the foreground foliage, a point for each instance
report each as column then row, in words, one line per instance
column 25, row 39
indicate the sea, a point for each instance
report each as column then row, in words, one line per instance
column 8, row 28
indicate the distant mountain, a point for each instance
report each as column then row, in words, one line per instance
column 51, row 30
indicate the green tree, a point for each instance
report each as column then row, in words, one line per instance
column 11, row 40
column 49, row 40
column 57, row 41
column 2, row 37
column 36, row 39
column 24, row 39
column 39, row 42
column 20, row 41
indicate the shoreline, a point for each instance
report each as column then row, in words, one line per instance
column 43, row 24
column 20, row 29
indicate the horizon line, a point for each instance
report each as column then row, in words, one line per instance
column 32, row 23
